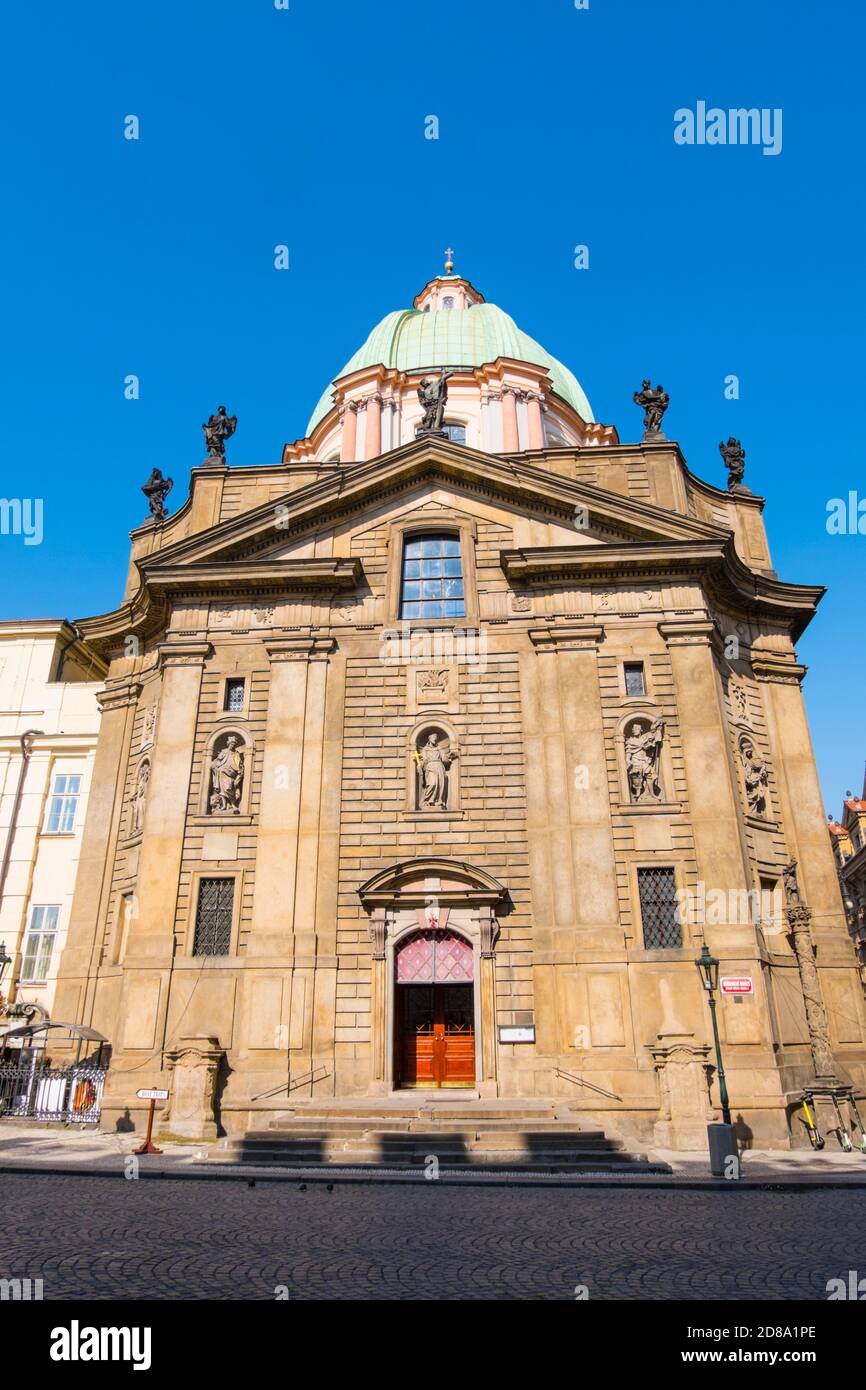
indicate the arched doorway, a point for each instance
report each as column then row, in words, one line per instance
column 416, row 900
column 434, row 1011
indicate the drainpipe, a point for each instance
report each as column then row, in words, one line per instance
column 77, row 636
column 26, row 741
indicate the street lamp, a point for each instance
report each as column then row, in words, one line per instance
column 708, row 967
column 722, row 1138
column 5, row 960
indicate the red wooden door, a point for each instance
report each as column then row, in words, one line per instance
column 435, row 1035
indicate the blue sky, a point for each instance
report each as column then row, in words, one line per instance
column 262, row 126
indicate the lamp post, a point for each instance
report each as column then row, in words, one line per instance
column 5, row 960
column 709, row 970
column 722, row 1137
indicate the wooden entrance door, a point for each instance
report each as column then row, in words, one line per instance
column 435, row 1035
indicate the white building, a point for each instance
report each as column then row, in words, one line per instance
column 49, row 721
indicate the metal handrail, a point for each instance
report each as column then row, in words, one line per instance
column 579, row 1081
column 297, row 1081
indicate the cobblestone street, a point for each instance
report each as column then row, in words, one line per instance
column 184, row 1238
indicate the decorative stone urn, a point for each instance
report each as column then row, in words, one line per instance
column 193, row 1067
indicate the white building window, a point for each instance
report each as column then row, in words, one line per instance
column 63, row 806
column 39, row 945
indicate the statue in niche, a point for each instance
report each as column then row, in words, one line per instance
column 643, row 746
column 756, row 778
column 140, row 797
column 433, row 760
column 227, row 778
column 654, row 403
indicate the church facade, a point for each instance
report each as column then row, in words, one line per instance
column 431, row 757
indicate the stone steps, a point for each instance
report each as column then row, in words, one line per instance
column 404, row 1133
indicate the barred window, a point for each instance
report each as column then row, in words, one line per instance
column 234, row 700
column 658, row 909
column 432, row 578
column 63, row 806
column 213, row 918
column 39, row 946
column 635, row 684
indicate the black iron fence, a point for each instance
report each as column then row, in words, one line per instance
column 29, row 1089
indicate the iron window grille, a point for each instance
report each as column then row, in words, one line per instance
column 234, row 701
column 63, row 805
column 658, row 909
column 39, row 946
column 635, row 682
column 432, row 578
column 213, row 918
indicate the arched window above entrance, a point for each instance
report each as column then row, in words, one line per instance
column 434, row 957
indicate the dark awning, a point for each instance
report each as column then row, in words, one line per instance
column 75, row 1030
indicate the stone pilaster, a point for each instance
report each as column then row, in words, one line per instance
column 798, row 787
column 77, row 979
column 298, row 842
column 152, row 935
column 572, row 869
column 719, row 846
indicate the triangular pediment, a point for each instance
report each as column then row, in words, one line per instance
column 287, row 526
column 288, row 543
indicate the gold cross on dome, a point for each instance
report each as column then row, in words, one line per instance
column 449, row 260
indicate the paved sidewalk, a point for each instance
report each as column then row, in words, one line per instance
column 44, row 1148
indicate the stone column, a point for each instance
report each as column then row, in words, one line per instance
column 799, row 920
column 76, row 984
column 373, row 434
column 536, row 426
column 510, row 437
column 349, row 440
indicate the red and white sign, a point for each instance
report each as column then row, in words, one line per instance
column 737, row 984
column 152, row 1094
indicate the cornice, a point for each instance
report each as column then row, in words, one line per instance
column 307, row 648
column 776, row 668
column 567, row 637
column 288, row 573
column 713, row 558
column 120, row 695
column 183, row 652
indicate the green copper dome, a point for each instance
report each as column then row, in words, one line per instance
column 410, row 339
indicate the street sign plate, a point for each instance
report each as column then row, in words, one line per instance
column 737, row 984
column 152, row 1094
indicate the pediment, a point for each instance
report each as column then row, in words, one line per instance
column 274, row 545
column 286, row 527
